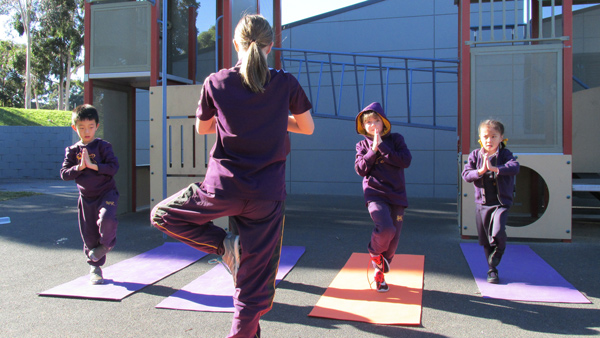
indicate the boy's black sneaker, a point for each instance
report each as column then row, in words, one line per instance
column 380, row 281
column 380, row 263
column 492, row 277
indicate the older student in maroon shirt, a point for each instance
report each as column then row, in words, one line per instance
column 381, row 159
column 248, row 107
column 92, row 164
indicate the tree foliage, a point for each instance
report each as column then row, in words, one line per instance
column 24, row 14
column 206, row 39
column 55, row 40
column 61, row 33
column 12, row 66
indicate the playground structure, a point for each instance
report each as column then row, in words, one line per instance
column 125, row 53
column 519, row 69
column 511, row 65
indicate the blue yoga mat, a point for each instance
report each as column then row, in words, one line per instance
column 524, row 276
column 131, row 275
column 213, row 291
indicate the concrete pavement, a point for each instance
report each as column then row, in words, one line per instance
column 41, row 248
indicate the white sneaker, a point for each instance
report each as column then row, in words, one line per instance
column 96, row 275
column 231, row 257
column 98, row 252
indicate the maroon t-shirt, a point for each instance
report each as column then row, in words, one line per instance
column 248, row 158
column 91, row 183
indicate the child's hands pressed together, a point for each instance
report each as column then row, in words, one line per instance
column 490, row 167
column 81, row 164
column 376, row 140
column 86, row 161
column 486, row 161
column 487, row 165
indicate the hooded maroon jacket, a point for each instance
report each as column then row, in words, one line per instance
column 382, row 171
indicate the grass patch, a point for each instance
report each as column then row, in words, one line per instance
column 34, row 117
column 9, row 195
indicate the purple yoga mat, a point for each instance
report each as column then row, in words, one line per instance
column 213, row 291
column 524, row 276
column 131, row 275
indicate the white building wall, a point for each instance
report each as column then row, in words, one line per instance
column 324, row 162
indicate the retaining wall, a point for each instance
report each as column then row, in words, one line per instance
column 33, row 152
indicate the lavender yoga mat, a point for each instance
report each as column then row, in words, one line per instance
column 131, row 275
column 213, row 291
column 524, row 276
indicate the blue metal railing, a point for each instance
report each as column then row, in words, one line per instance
column 581, row 83
column 377, row 84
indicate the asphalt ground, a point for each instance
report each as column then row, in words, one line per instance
column 41, row 248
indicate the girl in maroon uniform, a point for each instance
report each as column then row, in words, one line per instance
column 492, row 169
column 248, row 107
column 381, row 159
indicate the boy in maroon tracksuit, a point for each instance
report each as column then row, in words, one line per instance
column 92, row 164
column 381, row 159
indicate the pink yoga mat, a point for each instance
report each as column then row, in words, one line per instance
column 213, row 291
column 524, row 276
column 131, row 275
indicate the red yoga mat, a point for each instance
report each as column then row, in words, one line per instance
column 350, row 297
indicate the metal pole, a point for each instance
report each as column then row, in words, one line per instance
column 356, row 83
column 217, row 43
column 332, row 83
column 164, row 95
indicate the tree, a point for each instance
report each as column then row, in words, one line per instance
column 61, row 32
column 12, row 65
column 24, row 13
column 206, row 39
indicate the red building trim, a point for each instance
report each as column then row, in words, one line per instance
column 192, row 38
column 535, row 20
column 567, row 11
column 88, row 89
column 227, row 34
column 277, row 24
column 154, row 46
column 464, row 78
column 133, row 152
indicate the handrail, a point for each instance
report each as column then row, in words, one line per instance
column 386, row 66
column 581, row 83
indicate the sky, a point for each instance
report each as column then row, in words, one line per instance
column 294, row 10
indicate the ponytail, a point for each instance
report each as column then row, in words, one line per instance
column 255, row 70
column 253, row 33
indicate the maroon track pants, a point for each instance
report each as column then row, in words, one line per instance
column 187, row 216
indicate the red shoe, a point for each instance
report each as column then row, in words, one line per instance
column 380, row 263
column 380, row 281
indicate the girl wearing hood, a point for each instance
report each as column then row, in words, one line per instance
column 381, row 159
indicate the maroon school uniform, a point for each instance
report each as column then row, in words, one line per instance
column 98, row 195
column 245, row 180
column 493, row 198
column 383, row 183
